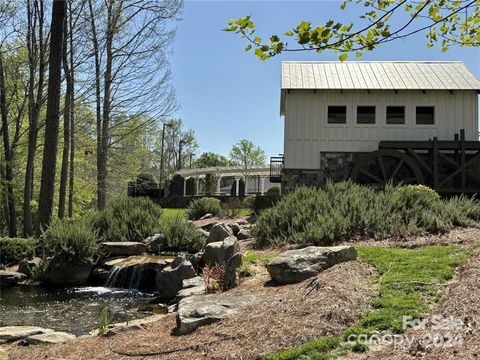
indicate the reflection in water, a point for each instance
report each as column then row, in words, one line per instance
column 75, row 310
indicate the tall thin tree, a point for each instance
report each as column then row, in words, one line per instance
column 47, row 185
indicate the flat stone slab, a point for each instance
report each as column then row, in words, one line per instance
column 10, row 278
column 191, row 291
column 124, row 248
column 14, row 333
column 198, row 310
column 297, row 265
column 57, row 337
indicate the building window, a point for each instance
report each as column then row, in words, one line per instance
column 365, row 114
column 395, row 115
column 337, row 114
column 425, row 115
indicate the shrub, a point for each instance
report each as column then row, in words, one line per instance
column 273, row 191
column 13, row 250
column 181, row 235
column 71, row 240
column 262, row 202
column 340, row 211
column 127, row 219
column 203, row 206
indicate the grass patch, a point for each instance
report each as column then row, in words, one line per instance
column 252, row 258
column 173, row 213
column 408, row 280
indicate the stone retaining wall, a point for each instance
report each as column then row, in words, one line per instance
column 334, row 166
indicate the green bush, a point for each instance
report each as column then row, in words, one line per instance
column 71, row 240
column 200, row 207
column 262, row 202
column 181, row 235
column 340, row 211
column 273, row 191
column 13, row 250
column 127, row 219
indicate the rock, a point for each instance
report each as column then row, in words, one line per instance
column 219, row 232
column 196, row 290
column 154, row 308
column 201, row 310
column 297, row 265
column 195, row 281
column 26, row 266
column 112, row 261
column 99, row 276
column 155, row 243
column 170, row 279
column 14, row 333
column 57, row 337
column 224, row 253
column 123, row 248
column 11, row 278
column 243, row 234
column 206, row 216
column 235, row 228
column 62, row 272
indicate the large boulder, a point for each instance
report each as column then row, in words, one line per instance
column 170, row 279
column 155, row 243
column 11, row 278
column 14, row 333
column 190, row 287
column 56, row 337
column 243, row 234
column 67, row 272
column 219, row 232
column 123, row 248
column 234, row 227
column 297, row 265
column 201, row 310
column 27, row 266
column 224, row 253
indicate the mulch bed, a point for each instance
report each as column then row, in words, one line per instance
column 282, row 317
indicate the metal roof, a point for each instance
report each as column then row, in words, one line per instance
column 381, row 75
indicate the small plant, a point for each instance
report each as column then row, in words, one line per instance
column 13, row 250
column 203, row 206
column 213, row 277
column 127, row 219
column 103, row 329
column 181, row 235
column 233, row 207
column 72, row 240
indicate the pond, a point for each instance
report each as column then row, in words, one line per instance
column 74, row 310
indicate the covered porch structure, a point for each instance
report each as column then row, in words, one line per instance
column 225, row 181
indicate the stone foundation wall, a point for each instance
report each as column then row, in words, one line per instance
column 334, row 166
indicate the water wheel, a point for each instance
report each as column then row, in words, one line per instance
column 386, row 165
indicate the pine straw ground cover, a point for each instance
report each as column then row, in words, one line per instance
column 282, row 317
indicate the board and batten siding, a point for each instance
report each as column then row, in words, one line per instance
column 307, row 132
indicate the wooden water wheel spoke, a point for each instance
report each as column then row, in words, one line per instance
column 378, row 167
column 382, row 168
column 397, row 168
column 371, row 176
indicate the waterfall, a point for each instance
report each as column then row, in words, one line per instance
column 138, row 276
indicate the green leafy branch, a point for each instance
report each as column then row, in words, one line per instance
column 446, row 22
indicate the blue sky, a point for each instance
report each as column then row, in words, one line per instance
column 226, row 94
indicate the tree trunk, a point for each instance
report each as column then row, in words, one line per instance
column 67, row 113
column 47, row 186
column 34, row 107
column 12, row 220
column 100, row 177
column 72, row 122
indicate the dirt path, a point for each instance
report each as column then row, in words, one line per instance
column 452, row 331
column 282, row 317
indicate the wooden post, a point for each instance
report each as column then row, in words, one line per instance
column 463, row 160
column 435, row 163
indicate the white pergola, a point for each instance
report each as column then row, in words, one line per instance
column 222, row 171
